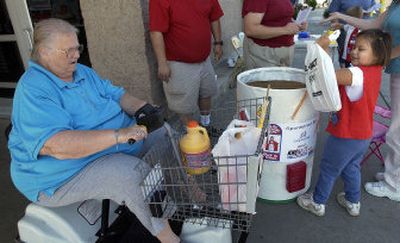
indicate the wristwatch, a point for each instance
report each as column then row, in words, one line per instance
column 218, row 43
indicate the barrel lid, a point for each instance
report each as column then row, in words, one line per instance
column 192, row 124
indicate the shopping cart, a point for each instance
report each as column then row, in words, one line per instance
column 174, row 194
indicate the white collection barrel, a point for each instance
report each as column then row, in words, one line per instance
column 289, row 143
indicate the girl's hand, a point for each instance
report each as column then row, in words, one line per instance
column 323, row 41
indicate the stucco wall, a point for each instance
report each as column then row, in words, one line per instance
column 120, row 48
column 116, row 39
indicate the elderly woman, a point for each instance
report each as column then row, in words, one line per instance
column 70, row 132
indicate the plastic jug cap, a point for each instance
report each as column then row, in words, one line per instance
column 192, row 124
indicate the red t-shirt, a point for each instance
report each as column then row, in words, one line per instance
column 355, row 119
column 277, row 13
column 186, row 27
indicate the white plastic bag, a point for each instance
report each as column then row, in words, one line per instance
column 321, row 80
column 239, row 139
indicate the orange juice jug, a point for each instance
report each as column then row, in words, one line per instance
column 195, row 149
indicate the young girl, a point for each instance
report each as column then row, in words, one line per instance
column 350, row 128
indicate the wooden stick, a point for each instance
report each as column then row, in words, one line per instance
column 299, row 105
column 264, row 109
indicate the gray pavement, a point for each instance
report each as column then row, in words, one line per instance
column 379, row 220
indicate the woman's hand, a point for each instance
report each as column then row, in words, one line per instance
column 292, row 28
column 135, row 132
column 303, row 26
column 334, row 21
column 336, row 25
column 332, row 17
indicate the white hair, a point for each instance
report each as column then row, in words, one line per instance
column 46, row 30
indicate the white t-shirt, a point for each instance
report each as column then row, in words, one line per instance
column 355, row 90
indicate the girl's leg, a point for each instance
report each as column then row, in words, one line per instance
column 351, row 174
column 337, row 154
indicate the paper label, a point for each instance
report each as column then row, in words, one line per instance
column 290, row 142
column 197, row 160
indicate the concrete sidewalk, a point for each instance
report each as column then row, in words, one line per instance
column 379, row 220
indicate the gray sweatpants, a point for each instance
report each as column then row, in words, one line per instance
column 392, row 158
column 116, row 177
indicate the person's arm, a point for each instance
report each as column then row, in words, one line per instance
column 157, row 40
column 254, row 28
column 131, row 104
column 73, row 144
column 357, row 22
column 395, row 52
column 216, row 31
column 344, row 76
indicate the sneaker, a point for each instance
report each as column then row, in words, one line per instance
column 352, row 208
column 205, row 120
column 379, row 176
column 382, row 189
column 306, row 201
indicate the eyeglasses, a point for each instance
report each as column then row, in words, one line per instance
column 69, row 53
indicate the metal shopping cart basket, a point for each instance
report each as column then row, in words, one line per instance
column 174, row 194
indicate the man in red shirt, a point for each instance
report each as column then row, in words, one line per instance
column 180, row 31
column 269, row 26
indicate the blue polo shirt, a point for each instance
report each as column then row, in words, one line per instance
column 342, row 5
column 392, row 26
column 45, row 105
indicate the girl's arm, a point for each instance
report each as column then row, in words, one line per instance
column 344, row 76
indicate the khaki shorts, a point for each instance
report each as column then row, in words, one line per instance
column 256, row 56
column 188, row 83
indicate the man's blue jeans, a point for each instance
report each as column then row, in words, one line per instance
column 341, row 157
